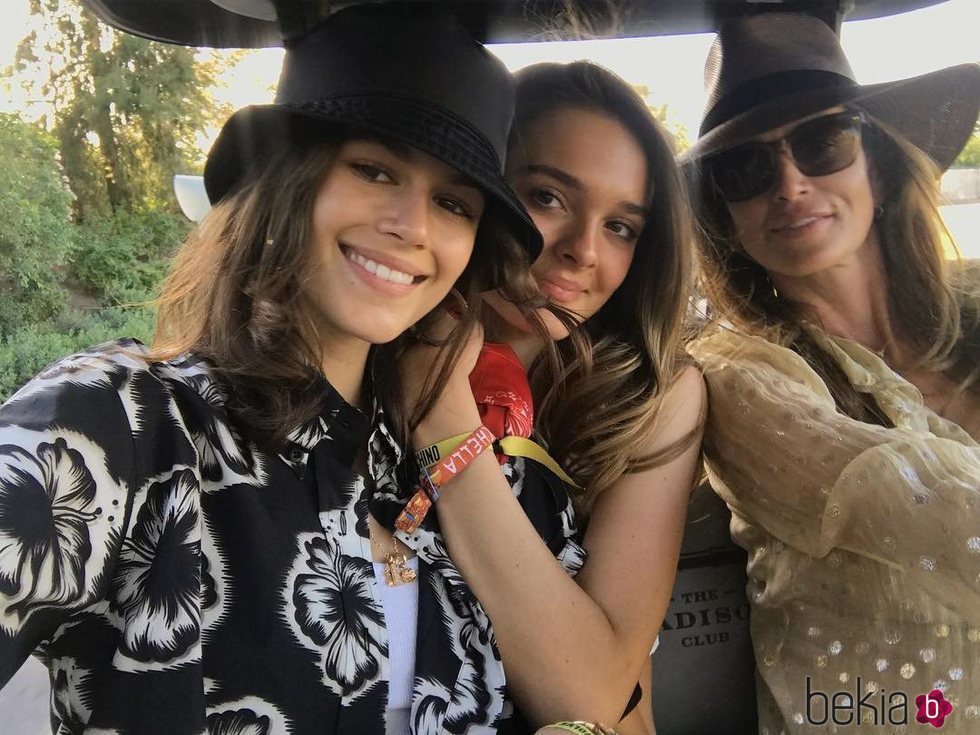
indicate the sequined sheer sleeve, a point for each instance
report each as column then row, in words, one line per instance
column 781, row 455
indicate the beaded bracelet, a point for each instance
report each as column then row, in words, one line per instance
column 431, row 479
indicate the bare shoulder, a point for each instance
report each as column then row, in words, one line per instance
column 682, row 410
column 686, row 390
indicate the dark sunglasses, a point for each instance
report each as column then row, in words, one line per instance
column 818, row 147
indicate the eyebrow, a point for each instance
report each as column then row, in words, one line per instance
column 575, row 183
column 408, row 154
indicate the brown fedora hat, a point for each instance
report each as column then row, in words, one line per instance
column 772, row 68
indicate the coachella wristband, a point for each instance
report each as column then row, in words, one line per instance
column 428, row 456
column 431, row 479
column 511, row 446
column 459, row 459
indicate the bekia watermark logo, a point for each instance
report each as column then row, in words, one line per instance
column 873, row 707
column 933, row 708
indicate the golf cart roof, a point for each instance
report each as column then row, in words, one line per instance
column 259, row 23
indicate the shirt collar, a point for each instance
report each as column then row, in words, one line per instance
column 345, row 427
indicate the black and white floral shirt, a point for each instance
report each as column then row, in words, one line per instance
column 176, row 579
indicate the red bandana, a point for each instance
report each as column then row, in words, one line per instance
column 502, row 392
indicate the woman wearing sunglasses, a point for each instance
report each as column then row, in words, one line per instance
column 844, row 393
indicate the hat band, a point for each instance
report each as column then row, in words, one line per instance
column 772, row 86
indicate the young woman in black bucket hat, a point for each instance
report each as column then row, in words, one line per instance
column 844, row 396
column 186, row 532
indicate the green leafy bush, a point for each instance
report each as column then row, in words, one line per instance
column 36, row 234
column 122, row 257
column 28, row 350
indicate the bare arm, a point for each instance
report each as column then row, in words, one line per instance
column 640, row 720
column 572, row 648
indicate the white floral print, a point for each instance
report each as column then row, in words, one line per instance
column 247, row 716
column 175, row 576
column 69, row 682
column 159, row 575
column 224, row 456
column 47, row 502
column 336, row 613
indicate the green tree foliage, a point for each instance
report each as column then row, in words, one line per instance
column 36, row 235
column 121, row 257
column 970, row 155
column 88, row 219
column 26, row 351
column 679, row 133
column 126, row 111
column 116, row 257
column 681, row 138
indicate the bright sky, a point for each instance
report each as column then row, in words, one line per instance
column 670, row 67
column 879, row 50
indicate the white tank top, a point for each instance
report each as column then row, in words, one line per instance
column 401, row 610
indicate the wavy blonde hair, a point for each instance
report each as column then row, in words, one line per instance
column 607, row 398
column 927, row 294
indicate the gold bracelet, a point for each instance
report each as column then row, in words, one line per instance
column 581, row 727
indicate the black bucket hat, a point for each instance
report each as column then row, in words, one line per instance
column 407, row 74
column 772, row 68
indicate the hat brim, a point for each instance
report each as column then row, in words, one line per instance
column 936, row 112
column 250, row 136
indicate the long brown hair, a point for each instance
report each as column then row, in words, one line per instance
column 606, row 400
column 233, row 296
column 942, row 322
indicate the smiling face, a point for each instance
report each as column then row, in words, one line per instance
column 583, row 178
column 805, row 225
column 393, row 228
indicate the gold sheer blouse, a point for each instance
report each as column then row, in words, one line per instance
column 863, row 541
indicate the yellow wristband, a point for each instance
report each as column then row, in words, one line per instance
column 519, row 446
column 512, row 446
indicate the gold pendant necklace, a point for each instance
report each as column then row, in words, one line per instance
column 397, row 571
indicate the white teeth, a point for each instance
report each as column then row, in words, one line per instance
column 802, row 223
column 381, row 271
